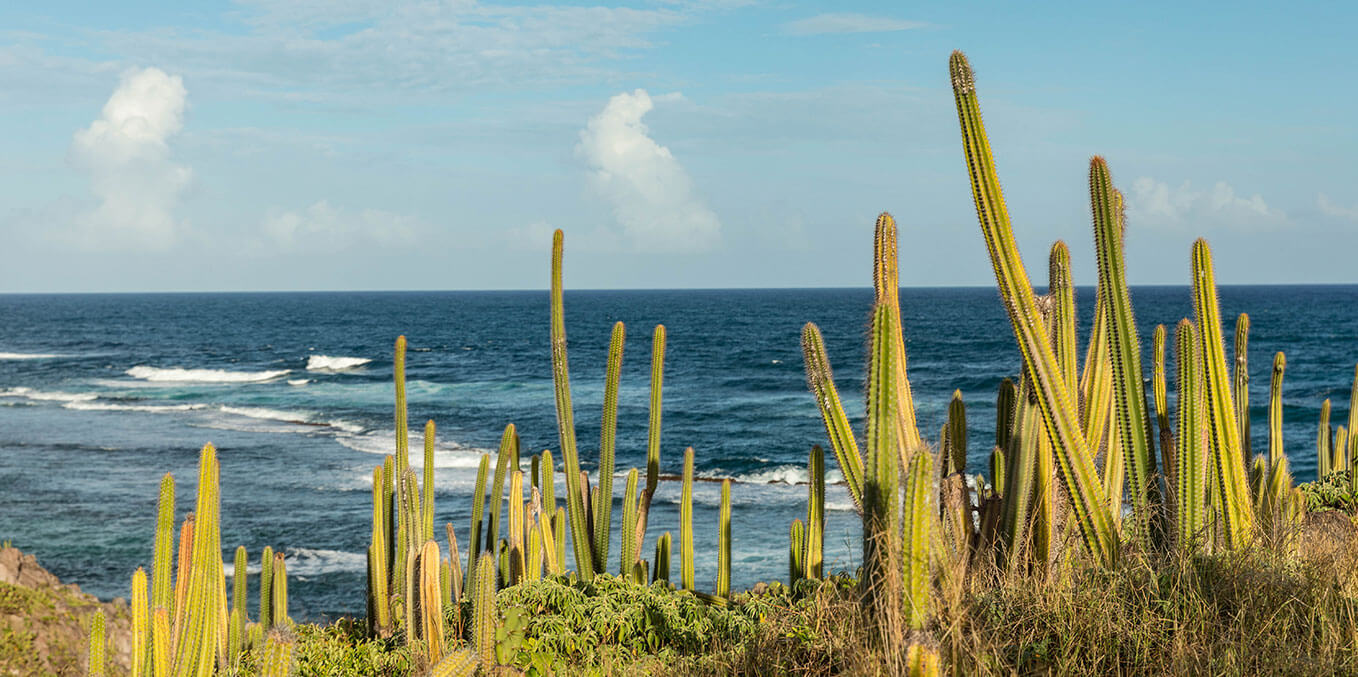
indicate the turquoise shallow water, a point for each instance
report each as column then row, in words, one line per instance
column 101, row 394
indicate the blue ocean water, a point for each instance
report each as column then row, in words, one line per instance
column 102, row 394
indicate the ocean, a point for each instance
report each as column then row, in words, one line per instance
column 102, row 394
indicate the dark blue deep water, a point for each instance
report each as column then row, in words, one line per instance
column 102, row 394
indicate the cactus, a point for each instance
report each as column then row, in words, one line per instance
column 796, row 561
column 1241, row 386
column 887, row 287
column 603, row 508
column 997, row 470
column 477, row 536
column 456, row 664
column 1006, row 414
column 565, row 421
column 431, row 610
column 1341, row 461
column 162, row 594
column 141, row 623
column 551, row 553
column 686, row 524
column 1323, row 455
column 1192, row 454
column 1237, row 517
column 198, row 638
column 160, row 642
column 652, row 437
column 627, row 549
column 814, row 545
column 402, row 535
column 881, row 581
column 280, row 591
column 235, row 637
column 1129, row 389
column 1160, row 387
column 921, row 661
column 548, row 483
column 1352, row 450
column 428, row 503
column 266, row 588
column 955, row 449
column 918, row 523
column 559, row 522
column 96, row 655
column 1061, row 292
column 185, row 565
column 662, row 559
column 1055, row 400
column 454, row 564
column 1275, row 410
column 483, row 612
column 379, row 603
column 724, row 542
column 277, row 658
column 518, row 558
column 504, row 463
column 1018, row 483
column 822, row 383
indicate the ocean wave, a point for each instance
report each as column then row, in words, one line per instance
column 29, row 356
column 298, row 381
column 316, row 562
column 783, row 474
column 181, row 375
column 328, row 363
column 47, row 396
column 302, row 417
column 117, row 406
column 446, row 454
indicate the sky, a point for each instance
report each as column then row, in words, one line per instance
column 387, row 144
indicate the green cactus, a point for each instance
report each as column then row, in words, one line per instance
column 1096, row 380
column 160, row 643
column 454, row 564
column 477, row 535
column 1323, row 454
column 1237, row 516
column 1055, row 400
column 277, row 659
column 565, row 421
column 266, row 588
column 822, row 383
column 881, row 580
column 919, row 524
column 955, row 458
column 1193, row 452
column 1006, row 415
column 379, row 604
column 518, row 558
column 389, row 510
column 402, row 535
column 1161, row 401
column 504, row 463
column 1275, row 409
column 652, row 435
column 686, row 524
column 548, row 484
column 280, row 591
column 552, row 554
column 724, row 542
column 662, row 559
column 1129, row 389
column 197, row 645
column 428, row 502
column 796, row 562
column 887, row 287
column 484, row 617
column 236, row 637
column 185, row 567
column 997, row 470
column 1061, row 295
column 96, row 659
column 814, row 545
column 1240, row 387
column 141, row 623
column 534, row 538
column 1018, row 483
column 627, row 553
column 456, row 664
column 603, row 508
column 162, row 594
column 1341, row 461
column 559, row 536
column 431, row 610
column 1352, row 449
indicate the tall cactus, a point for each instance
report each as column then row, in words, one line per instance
column 1192, row 454
column 266, row 588
column 197, row 645
column 1275, row 410
column 1055, row 400
column 431, row 609
column 96, row 660
column 379, row 603
column 887, row 287
column 402, row 537
column 724, row 542
column 141, row 624
column 504, row 464
column 162, row 595
column 652, row 435
column 427, row 504
column 565, row 420
column 815, row 515
column 955, row 441
column 1240, row 387
column 919, row 525
column 518, row 556
column 1161, row 400
column 1323, row 455
column 1237, row 515
column 280, row 591
column 484, row 618
column 476, row 536
column 603, row 508
column 627, row 550
column 1352, row 450
column 822, row 383
column 796, row 562
column 686, row 578
column 881, row 581
column 661, row 572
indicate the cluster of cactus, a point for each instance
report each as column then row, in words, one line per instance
column 182, row 625
column 1337, row 447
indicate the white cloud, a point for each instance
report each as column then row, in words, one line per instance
column 126, row 154
column 652, row 195
column 323, row 227
column 844, row 22
column 1331, row 209
column 1155, row 203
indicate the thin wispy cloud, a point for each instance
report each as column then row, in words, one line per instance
column 324, row 227
column 848, row 22
column 1329, row 208
column 126, row 154
column 1155, row 203
column 652, row 196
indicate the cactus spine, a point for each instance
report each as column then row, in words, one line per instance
column 1275, row 410
column 483, row 612
column 881, row 581
column 96, row 656
column 1055, row 399
column 1237, row 517
column 1240, row 387
column 918, row 524
column 686, row 524
column 565, row 421
column 428, row 503
column 1192, row 454
column 724, row 542
column 627, row 547
column 141, row 623
column 266, row 588
column 518, row 558
column 603, row 508
column 815, row 515
column 822, row 383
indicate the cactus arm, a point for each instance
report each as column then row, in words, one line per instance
column 1018, row 482
column 548, row 471
column 456, row 664
column 160, row 643
column 1240, row 387
column 96, row 655
column 476, row 536
column 503, row 461
column 918, row 521
column 815, row 514
column 652, row 435
column 141, row 622
column 796, row 563
column 280, row 591
column 881, row 580
column 822, row 383
column 1341, row 461
column 1161, row 401
column 565, row 421
column 724, row 542
column 957, row 434
column 162, row 594
column 431, row 608
column 662, row 559
column 686, row 524
column 887, row 287
column 378, row 574
column 1190, row 477
column 1230, row 481
column 1275, row 410
column 603, row 508
column 627, row 550
column 483, row 612
column 1056, row 403
column 1006, row 413
column 1061, row 291
column 1323, row 442
column 518, row 559
column 428, row 503
column 266, row 588
column 997, row 471
column 548, row 537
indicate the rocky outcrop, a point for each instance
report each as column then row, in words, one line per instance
column 44, row 623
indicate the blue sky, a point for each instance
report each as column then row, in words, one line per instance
column 365, row 144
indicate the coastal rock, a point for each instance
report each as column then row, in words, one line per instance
column 44, row 624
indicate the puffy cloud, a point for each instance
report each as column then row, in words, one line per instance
column 652, row 195
column 323, row 227
column 844, row 22
column 1155, row 203
column 126, row 154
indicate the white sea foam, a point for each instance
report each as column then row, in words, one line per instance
column 118, row 406
column 269, row 414
column 316, row 562
column 446, row 454
column 29, row 356
column 181, row 375
column 47, row 396
column 298, row 381
column 783, row 474
column 328, row 363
